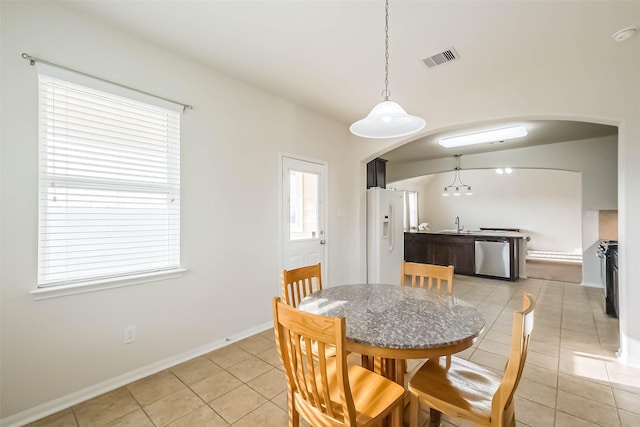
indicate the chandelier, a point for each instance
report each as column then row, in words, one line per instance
column 457, row 187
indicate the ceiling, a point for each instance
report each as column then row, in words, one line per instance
column 329, row 55
column 539, row 132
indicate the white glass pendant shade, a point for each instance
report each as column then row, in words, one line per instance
column 387, row 120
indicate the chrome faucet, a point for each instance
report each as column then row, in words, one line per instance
column 458, row 224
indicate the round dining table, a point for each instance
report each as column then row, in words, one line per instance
column 387, row 323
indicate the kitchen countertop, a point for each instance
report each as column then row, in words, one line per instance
column 479, row 233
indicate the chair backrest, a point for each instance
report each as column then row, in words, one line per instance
column 501, row 405
column 319, row 386
column 428, row 275
column 300, row 282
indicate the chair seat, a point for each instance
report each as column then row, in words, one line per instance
column 463, row 391
column 373, row 395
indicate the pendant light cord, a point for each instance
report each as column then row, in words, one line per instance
column 386, row 92
column 387, row 119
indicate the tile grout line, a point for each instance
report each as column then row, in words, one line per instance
column 555, row 414
column 194, row 392
column 591, row 312
column 189, row 388
column 233, row 389
column 242, row 383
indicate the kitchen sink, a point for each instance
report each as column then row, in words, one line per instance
column 454, row 231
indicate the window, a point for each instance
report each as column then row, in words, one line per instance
column 410, row 200
column 412, row 209
column 304, row 207
column 109, row 203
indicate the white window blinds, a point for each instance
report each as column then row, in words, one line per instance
column 109, row 184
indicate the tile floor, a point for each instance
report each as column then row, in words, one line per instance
column 571, row 377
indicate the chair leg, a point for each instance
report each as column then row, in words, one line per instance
column 414, row 411
column 434, row 418
column 396, row 415
column 448, row 361
column 294, row 419
column 511, row 413
column 368, row 362
column 398, row 375
column 294, row 416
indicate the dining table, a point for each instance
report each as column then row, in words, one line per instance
column 390, row 323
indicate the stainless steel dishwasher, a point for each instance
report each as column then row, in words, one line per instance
column 492, row 257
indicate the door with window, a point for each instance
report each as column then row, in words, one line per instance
column 303, row 231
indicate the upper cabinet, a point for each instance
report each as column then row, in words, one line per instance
column 377, row 173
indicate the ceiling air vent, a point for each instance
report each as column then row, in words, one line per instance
column 440, row 58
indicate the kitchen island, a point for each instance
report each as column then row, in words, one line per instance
column 472, row 253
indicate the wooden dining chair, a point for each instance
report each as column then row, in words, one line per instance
column 465, row 390
column 300, row 282
column 328, row 391
column 428, row 276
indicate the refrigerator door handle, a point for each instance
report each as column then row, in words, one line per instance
column 391, row 232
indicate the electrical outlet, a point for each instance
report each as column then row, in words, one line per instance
column 129, row 334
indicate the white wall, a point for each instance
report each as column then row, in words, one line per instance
column 231, row 145
column 544, row 204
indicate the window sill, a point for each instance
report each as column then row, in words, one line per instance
column 99, row 285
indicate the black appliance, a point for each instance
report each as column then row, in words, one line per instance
column 608, row 253
column 377, row 173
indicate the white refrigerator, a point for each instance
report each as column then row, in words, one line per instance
column 385, row 235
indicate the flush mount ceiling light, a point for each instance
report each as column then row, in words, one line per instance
column 501, row 171
column 457, row 188
column 492, row 135
column 387, row 119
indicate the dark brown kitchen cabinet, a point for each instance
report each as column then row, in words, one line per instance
column 441, row 249
column 412, row 252
column 455, row 249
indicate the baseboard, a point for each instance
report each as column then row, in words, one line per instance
column 592, row 284
column 626, row 361
column 74, row 398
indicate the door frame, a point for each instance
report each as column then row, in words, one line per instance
column 325, row 211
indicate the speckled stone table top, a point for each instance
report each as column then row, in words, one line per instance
column 397, row 317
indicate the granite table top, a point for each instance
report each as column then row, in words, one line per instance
column 397, row 317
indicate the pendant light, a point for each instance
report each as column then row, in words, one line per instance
column 457, row 187
column 387, row 119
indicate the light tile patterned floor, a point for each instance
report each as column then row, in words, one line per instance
column 571, row 378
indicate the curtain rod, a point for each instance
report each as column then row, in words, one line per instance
column 32, row 61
